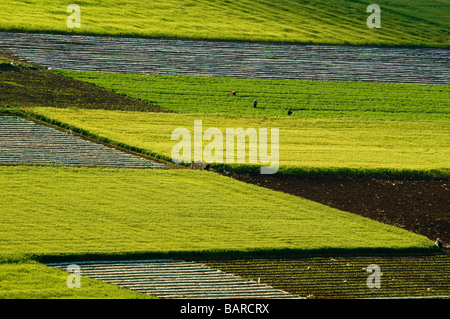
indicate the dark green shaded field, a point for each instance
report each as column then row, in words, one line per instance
column 306, row 99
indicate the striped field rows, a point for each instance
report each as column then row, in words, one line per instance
column 231, row 59
column 175, row 279
column 23, row 142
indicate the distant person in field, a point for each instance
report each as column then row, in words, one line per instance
column 233, row 93
column 255, row 103
column 290, row 112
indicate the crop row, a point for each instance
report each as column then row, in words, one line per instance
column 346, row 277
column 24, row 142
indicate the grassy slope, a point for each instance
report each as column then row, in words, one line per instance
column 31, row 280
column 307, row 99
column 114, row 211
column 323, row 144
column 404, row 22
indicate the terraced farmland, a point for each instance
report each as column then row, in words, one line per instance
column 24, row 142
column 247, row 240
column 175, row 279
column 228, row 59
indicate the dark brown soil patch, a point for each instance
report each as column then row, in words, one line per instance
column 420, row 206
column 26, row 84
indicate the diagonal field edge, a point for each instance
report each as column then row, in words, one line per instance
column 175, row 279
column 24, row 142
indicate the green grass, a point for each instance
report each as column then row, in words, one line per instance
column 32, row 280
column 307, row 99
column 403, row 22
column 306, row 145
column 60, row 212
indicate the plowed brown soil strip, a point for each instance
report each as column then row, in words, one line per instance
column 25, row 84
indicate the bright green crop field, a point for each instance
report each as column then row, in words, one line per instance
column 381, row 146
column 306, row 99
column 57, row 212
column 31, row 280
column 403, row 22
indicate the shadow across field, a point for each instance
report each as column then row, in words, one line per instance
column 240, row 254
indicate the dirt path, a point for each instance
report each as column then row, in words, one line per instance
column 230, row 59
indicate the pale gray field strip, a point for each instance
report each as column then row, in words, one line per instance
column 232, row 59
column 23, row 142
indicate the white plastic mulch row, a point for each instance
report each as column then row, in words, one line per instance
column 231, row 59
column 23, row 142
column 165, row 278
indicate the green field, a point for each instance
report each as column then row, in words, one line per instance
column 32, row 280
column 101, row 212
column 307, row 99
column 365, row 146
column 403, row 22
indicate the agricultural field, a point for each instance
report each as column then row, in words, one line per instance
column 361, row 147
column 363, row 176
column 131, row 221
column 404, row 22
column 306, row 99
column 107, row 212
column 419, row 205
column 33, row 280
column 118, row 214
column 344, row 277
